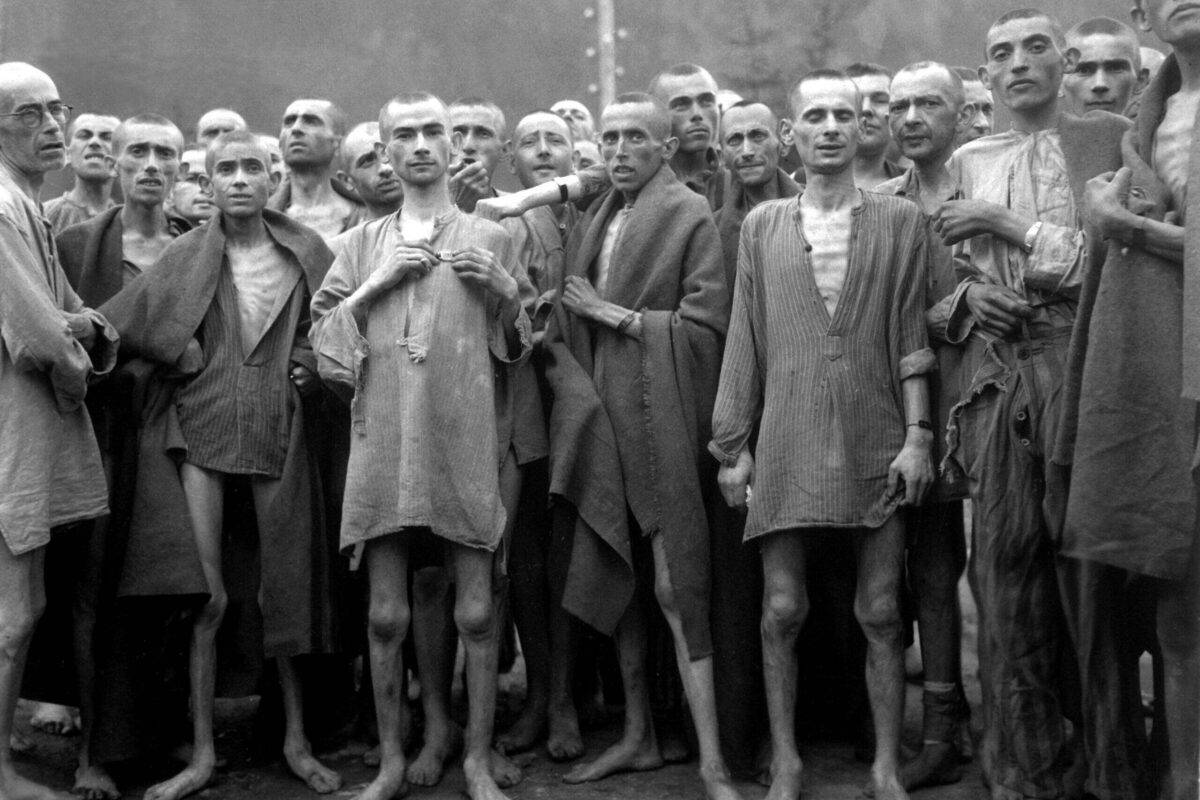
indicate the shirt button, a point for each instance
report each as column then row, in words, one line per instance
column 1021, row 415
column 1023, row 353
column 1025, row 442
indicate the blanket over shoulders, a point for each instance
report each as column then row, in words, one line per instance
column 630, row 417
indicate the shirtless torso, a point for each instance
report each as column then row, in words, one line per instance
column 1173, row 143
column 140, row 250
column 828, row 233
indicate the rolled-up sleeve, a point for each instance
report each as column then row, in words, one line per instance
column 916, row 357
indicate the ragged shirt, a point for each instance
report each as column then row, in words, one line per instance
column 50, row 470
column 827, row 387
column 423, row 449
column 1027, row 173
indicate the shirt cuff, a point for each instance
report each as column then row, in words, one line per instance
column 918, row 362
column 726, row 458
column 961, row 321
column 104, row 351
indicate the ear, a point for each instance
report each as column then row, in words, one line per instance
column 507, row 153
column 381, row 153
column 786, row 134
column 965, row 115
column 1070, row 60
column 346, row 178
column 1138, row 15
column 456, row 142
column 984, row 78
column 1143, row 78
column 670, row 145
column 575, row 159
column 276, row 179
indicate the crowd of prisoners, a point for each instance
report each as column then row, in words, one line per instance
column 320, row 409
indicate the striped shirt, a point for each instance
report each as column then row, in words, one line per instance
column 235, row 415
column 827, row 387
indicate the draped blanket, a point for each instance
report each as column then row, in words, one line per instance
column 630, row 417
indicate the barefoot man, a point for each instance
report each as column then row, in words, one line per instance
column 828, row 340
column 50, row 346
column 227, row 304
column 418, row 312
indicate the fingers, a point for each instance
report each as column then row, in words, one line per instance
column 893, row 478
column 1122, row 179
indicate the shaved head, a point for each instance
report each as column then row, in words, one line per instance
column 647, row 106
column 217, row 121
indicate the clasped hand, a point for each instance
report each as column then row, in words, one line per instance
column 580, row 297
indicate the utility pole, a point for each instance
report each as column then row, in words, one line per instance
column 607, row 34
column 606, row 28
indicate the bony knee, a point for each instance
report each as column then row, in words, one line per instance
column 388, row 622
column 213, row 610
column 474, row 619
column 880, row 621
column 18, row 620
column 664, row 593
column 783, row 614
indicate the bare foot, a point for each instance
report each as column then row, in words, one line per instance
column 14, row 787
column 320, row 778
column 18, row 744
column 480, row 785
column 194, row 778
column 426, row 769
column 936, row 765
column 718, row 785
column 624, row 756
column 55, row 719
column 786, row 779
column 565, row 743
column 505, row 772
column 887, row 788
column 388, row 784
column 93, row 783
column 525, row 732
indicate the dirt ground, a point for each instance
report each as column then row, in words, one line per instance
column 831, row 770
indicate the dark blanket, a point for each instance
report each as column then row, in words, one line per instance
column 1129, row 429
column 737, row 206
column 157, row 314
column 630, row 417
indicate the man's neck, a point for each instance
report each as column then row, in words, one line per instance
column 30, row 183
column 379, row 212
column 768, row 190
column 92, row 195
column 311, row 184
column 244, row 232
column 1036, row 119
column 830, row 191
column 934, row 181
column 149, row 220
column 688, row 164
column 1188, row 58
column 428, row 202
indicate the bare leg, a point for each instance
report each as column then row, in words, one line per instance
column 785, row 607
column 637, row 750
column 22, row 600
column 92, row 781
column 877, row 607
column 697, row 676
column 475, row 618
column 388, row 617
column 565, row 742
column 204, row 493
column 434, row 642
column 296, row 749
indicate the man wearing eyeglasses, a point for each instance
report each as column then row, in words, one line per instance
column 51, row 347
column 89, row 155
column 192, row 196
